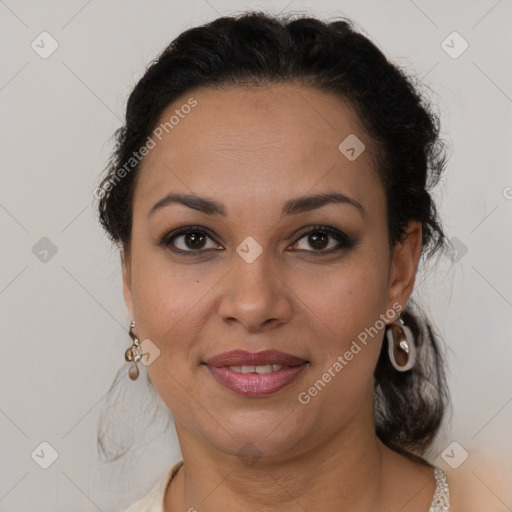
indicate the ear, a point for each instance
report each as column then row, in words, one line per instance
column 127, row 282
column 404, row 263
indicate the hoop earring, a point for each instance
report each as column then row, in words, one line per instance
column 134, row 353
column 401, row 348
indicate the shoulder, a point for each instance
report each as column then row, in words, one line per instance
column 154, row 500
column 469, row 491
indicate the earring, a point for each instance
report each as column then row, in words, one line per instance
column 134, row 353
column 401, row 348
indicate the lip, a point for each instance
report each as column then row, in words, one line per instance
column 244, row 358
column 254, row 384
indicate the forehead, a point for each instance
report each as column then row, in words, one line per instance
column 277, row 140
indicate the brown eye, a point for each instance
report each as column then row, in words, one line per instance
column 188, row 240
column 318, row 239
column 194, row 240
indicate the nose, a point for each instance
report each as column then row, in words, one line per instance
column 255, row 295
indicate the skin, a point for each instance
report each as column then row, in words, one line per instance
column 252, row 149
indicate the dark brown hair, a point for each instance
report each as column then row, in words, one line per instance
column 255, row 48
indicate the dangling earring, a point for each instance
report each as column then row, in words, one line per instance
column 401, row 348
column 134, row 353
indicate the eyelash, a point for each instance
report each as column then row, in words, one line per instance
column 345, row 241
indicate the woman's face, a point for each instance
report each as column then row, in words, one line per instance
column 260, row 279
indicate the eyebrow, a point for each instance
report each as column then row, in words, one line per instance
column 291, row 207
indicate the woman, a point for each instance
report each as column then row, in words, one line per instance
column 270, row 197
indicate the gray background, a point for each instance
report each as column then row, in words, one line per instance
column 63, row 320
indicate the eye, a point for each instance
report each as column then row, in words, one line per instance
column 191, row 240
column 318, row 238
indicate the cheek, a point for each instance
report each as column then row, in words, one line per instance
column 349, row 297
column 345, row 311
column 168, row 309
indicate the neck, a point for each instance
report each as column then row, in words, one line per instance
column 346, row 469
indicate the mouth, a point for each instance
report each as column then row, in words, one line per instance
column 255, row 374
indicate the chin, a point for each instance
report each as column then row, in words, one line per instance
column 256, row 435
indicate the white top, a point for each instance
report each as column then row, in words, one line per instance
column 154, row 501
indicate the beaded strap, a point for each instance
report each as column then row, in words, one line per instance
column 441, row 500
